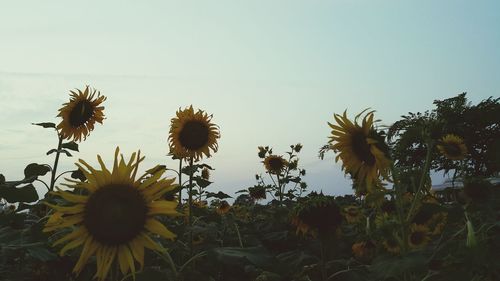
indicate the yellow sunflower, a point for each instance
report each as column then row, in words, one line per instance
column 419, row 236
column 223, row 208
column 112, row 214
column 364, row 250
column 362, row 149
column 80, row 114
column 192, row 134
column 205, row 173
column 352, row 214
column 452, row 147
column 392, row 245
column 275, row 164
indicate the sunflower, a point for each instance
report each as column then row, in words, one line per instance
column 362, row 149
column 257, row 192
column 392, row 245
column 205, row 173
column 452, row 147
column 437, row 223
column 192, row 134
column 318, row 214
column 112, row 214
column 352, row 214
column 223, row 208
column 419, row 236
column 275, row 164
column 80, row 114
column 364, row 250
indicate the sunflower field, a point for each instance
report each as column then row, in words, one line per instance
column 113, row 223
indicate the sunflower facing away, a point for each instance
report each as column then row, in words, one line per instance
column 80, row 114
column 362, row 149
column 192, row 134
column 452, row 147
column 112, row 215
column 275, row 164
column 319, row 214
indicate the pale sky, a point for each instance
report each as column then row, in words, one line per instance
column 271, row 73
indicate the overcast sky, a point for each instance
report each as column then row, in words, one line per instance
column 271, row 73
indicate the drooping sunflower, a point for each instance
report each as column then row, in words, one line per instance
column 275, row 164
column 112, row 214
column 192, row 134
column 361, row 148
column 452, row 147
column 419, row 236
column 80, row 114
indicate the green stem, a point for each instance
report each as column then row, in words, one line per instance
column 279, row 187
column 195, row 257
column 54, row 169
column 323, row 259
column 190, row 219
column 425, row 172
column 238, row 233
column 399, row 208
column 180, row 181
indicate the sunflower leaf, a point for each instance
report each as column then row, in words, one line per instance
column 70, row 145
column 45, row 124
column 35, row 169
column 41, row 253
column 66, row 152
column 219, row 195
column 78, row 174
column 12, row 194
column 202, row 182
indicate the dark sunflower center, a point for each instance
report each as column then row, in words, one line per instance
column 194, row 135
column 276, row 164
column 115, row 214
column 362, row 149
column 452, row 149
column 417, row 237
column 81, row 113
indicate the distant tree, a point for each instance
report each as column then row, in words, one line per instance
column 478, row 125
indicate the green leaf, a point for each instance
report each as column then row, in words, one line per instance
column 296, row 259
column 219, row 195
column 66, row 152
column 202, row 182
column 70, row 145
column 45, row 124
column 257, row 256
column 12, row 194
column 41, row 254
column 190, row 170
column 60, row 151
column 388, row 266
column 35, row 169
column 78, row 174
column 150, row 275
column 156, row 169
